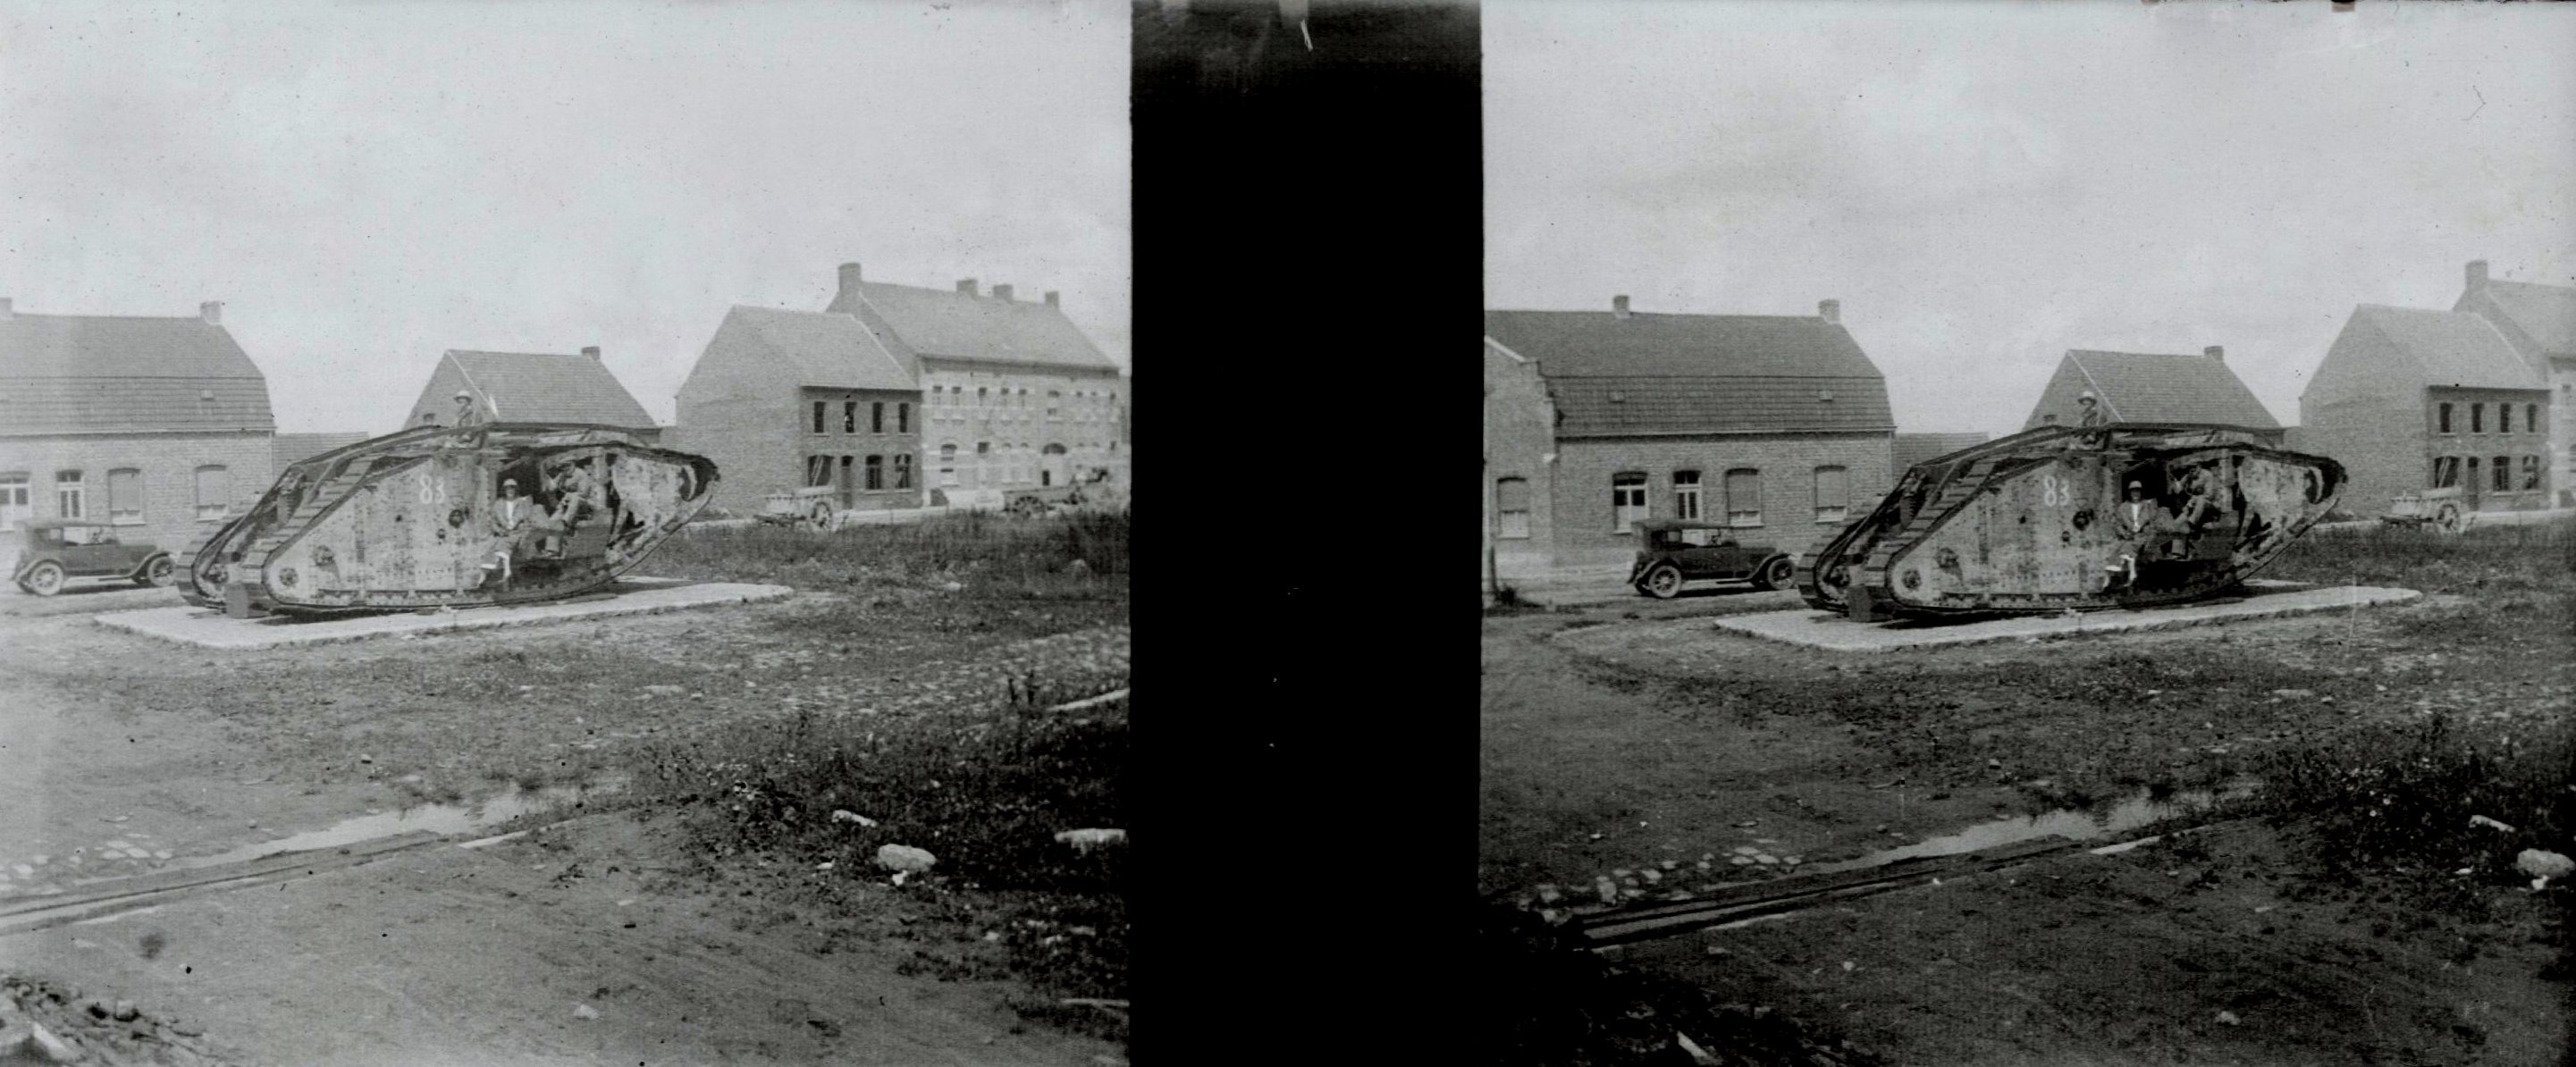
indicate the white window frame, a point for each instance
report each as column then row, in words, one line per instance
column 1829, row 510
column 1628, row 502
column 1505, row 528
column 222, row 505
column 123, row 516
column 71, row 494
column 1686, row 495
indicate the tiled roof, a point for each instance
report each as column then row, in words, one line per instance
column 949, row 324
column 1592, row 344
column 825, row 349
column 1913, row 448
column 2454, row 348
column 531, row 387
column 1691, row 374
column 2137, row 387
column 297, row 447
column 2546, row 312
column 121, row 374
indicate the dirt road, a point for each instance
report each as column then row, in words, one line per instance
column 120, row 756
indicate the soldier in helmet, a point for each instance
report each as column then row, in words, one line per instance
column 468, row 413
column 2091, row 407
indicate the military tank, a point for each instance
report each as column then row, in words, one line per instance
column 438, row 517
column 2125, row 515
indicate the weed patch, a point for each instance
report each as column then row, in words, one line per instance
column 984, row 792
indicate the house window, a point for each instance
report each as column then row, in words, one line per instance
column 14, row 495
column 214, row 492
column 1511, row 508
column 2530, row 473
column 1052, row 397
column 903, row 470
column 71, row 492
column 2502, row 472
column 818, row 416
column 849, row 416
column 1744, row 497
column 983, row 396
column 1627, row 501
column 2445, row 415
column 1686, row 494
column 2504, row 418
column 903, row 418
column 818, row 471
column 2531, row 418
column 125, row 496
column 948, row 466
column 2446, row 472
column 2477, row 418
column 876, row 417
column 1833, row 493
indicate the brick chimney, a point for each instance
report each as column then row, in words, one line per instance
column 2477, row 275
column 2217, row 353
column 590, row 350
column 966, row 286
column 1051, row 299
column 1619, row 306
column 849, row 282
column 1829, row 310
column 212, row 311
column 1002, row 293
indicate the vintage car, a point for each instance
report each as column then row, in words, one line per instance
column 811, row 507
column 56, row 551
column 1673, row 551
column 2441, row 509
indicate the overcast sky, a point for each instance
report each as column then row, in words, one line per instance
column 1986, row 185
column 365, row 186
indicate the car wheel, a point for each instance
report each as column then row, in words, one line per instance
column 1663, row 583
column 45, row 580
column 1775, row 574
column 157, row 572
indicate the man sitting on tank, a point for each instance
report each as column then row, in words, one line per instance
column 577, row 496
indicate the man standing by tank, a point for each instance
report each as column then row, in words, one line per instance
column 511, row 515
column 2133, row 521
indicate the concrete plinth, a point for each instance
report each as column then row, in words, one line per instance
column 209, row 628
column 1809, row 628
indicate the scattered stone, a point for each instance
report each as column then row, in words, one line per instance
column 364, row 758
column 1766, row 859
column 1741, row 860
column 126, row 1011
column 1086, row 840
column 1670, row 864
column 846, row 815
column 953, row 587
column 2481, row 820
column 905, row 859
column 1748, row 824
column 584, row 1011
column 2543, row 864
column 1652, row 875
column 1548, row 894
column 1747, row 850
column 2229, row 1018
column 50, row 1048
column 2293, row 694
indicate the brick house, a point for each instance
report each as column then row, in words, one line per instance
column 293, row 448
column 2409, row 400
column 2140, row 387
column 1015, row 396
column 157, row 424
column 787, row 399
column 2539, row 321
column 1912, row 448
column 531, row 387
column 1778, row 425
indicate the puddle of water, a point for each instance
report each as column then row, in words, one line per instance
column 2068, row 823
column 438, row 818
